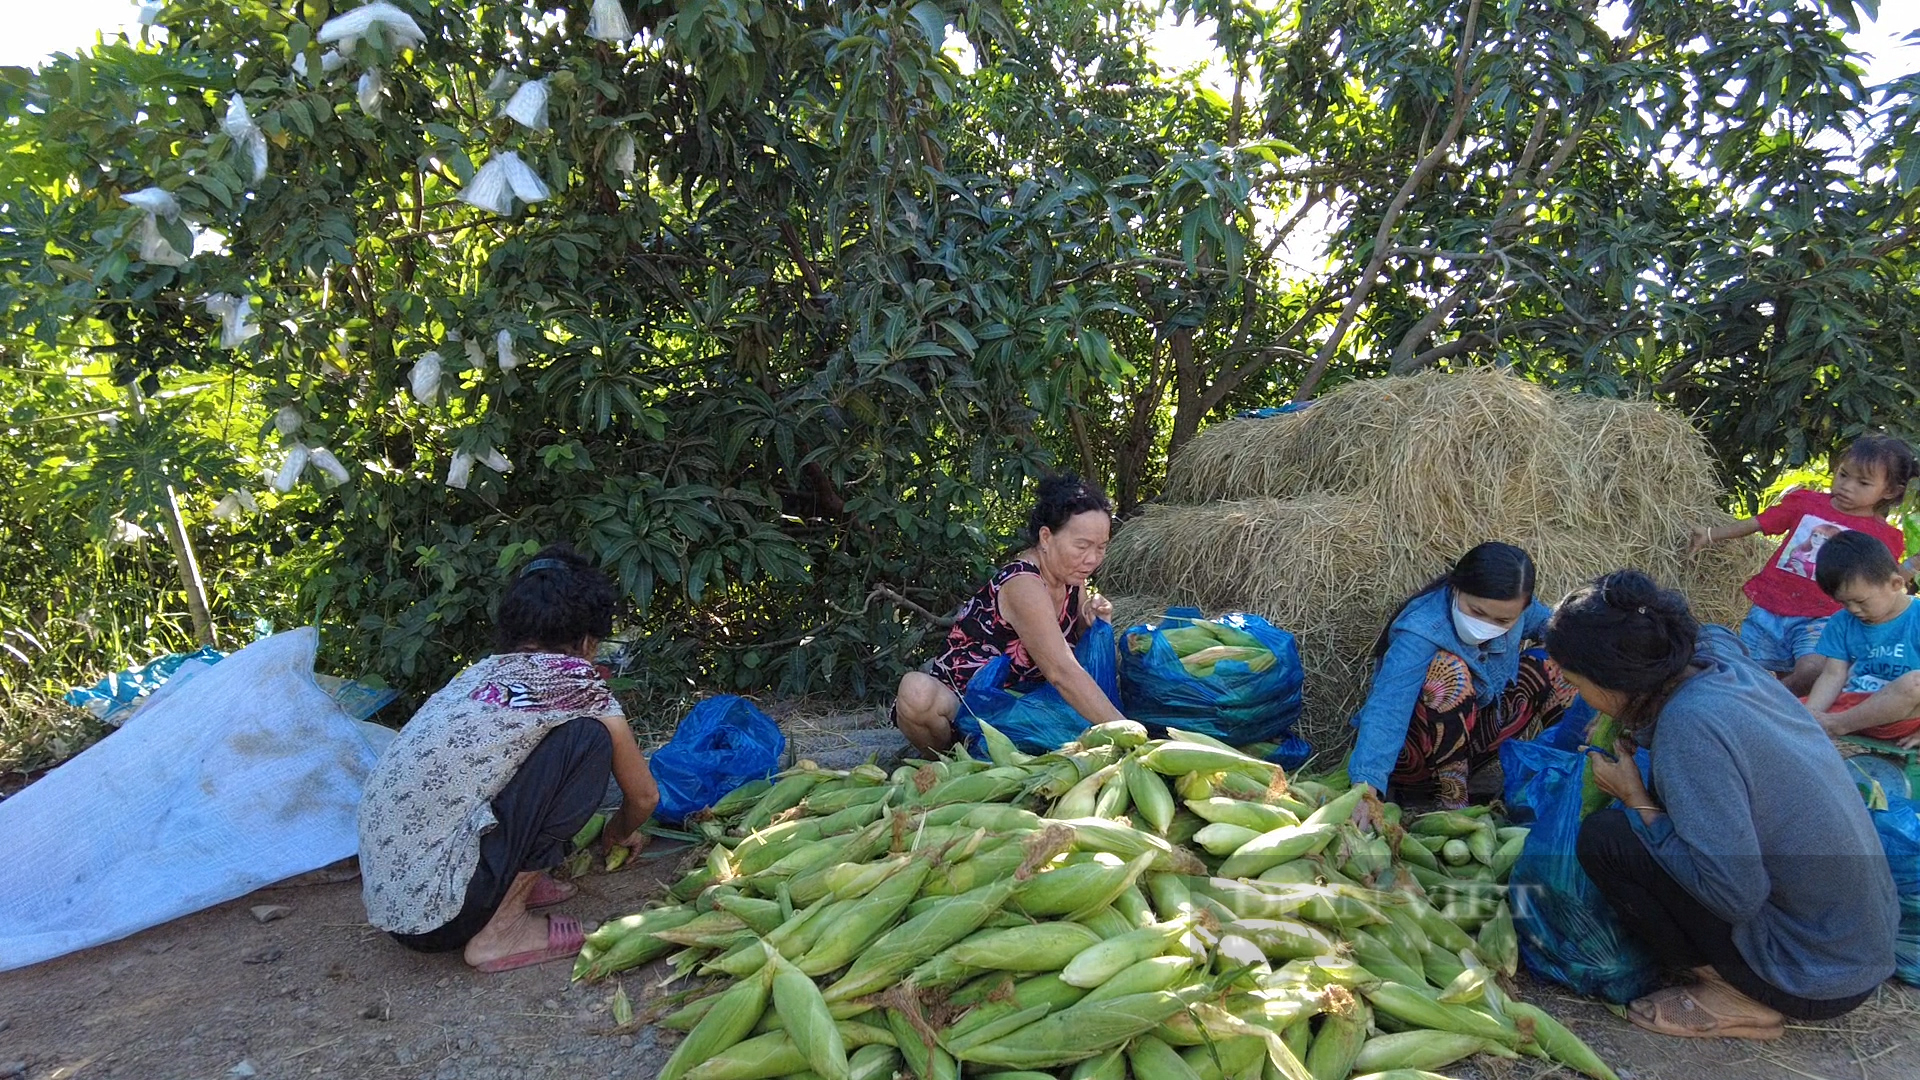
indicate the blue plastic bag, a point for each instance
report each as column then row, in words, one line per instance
column 1568, row 932
column 725, row 742
column 1899, row 829
column 113, row 697
column 1235, row 704
column 1039, row 720
column 1292, row 752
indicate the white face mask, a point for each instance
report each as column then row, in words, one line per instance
column 1475, row 631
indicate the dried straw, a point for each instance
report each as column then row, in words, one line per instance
column 1325, row 519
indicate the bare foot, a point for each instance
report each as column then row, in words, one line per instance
column 513, row 929
column 499, row 940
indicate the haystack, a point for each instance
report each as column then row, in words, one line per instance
column 1325, row 519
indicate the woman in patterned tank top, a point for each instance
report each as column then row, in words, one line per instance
column 1032, row 611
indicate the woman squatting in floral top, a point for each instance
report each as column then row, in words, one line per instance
column 1032, row 611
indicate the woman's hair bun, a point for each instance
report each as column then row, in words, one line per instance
column 1628, row 590
column 1058, row 498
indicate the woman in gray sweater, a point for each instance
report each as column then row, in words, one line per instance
column 1752, row 862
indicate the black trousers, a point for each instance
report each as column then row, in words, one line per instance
column 557, row 789
column 1678, row 929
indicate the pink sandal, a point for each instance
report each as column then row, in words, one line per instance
column 564, row 939
column 548, row 892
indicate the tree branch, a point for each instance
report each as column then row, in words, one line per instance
column 1464, row 343
column 1390, row 219
column 885, row 592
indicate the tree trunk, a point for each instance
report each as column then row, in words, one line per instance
column 184, row 560
column 189, row 567
column 1188, row 391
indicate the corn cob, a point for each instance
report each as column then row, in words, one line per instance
column 1445, row 823
column 1103, row 960
column 853, row 817
column 924, row 1059
column 760, row 916
column 1604, row 733
column 1081, row 1031
column 1070, row 888
column 1414, row 1007
column 1419, row 1050
column 1113, row 799
column 1083, row 798
column 993, row 1024
column 1482, row 845
column 864, row 920
column 1337, row 1046
column 990, row 785
column 1277, row 846
column 782, row 796
column 877, row 1061
column 1109, row 1066
column 761, row 1057
column 1559, row 1043
column 1149, row 793
column 727, row 1021
column 1338, row 809
column 740, row 799
column 1298, row 1037
column 1233, row 1058
column 1040, row 947
column 824, row 804
column 1223, row 839
column 1259, row 817
column 629, row 942
column 1499, row 944
column 1508, row 854
column 1125, row 734
column 766, row 847
column 985, row 866
column 804, row 1012
column 1286, row 939
column 1176, row 758
column 1151, row 1059
column 1099, row 834
column 898, row 950
column 1143, row 977
column 999, row 747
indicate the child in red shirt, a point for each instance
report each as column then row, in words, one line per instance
column 1782, row 632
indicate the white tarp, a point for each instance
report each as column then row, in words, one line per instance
column 242, row 775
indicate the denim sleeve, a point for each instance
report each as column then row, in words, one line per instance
column 1383, row 719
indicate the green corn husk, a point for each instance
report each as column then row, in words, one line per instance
column 740, row 799
column 1559, row 1043
column 1080, row 1032
column 726, row 1021
column 1151, row 1059
column 902, row 948
column 1338, row 1045
column 1420, row 1050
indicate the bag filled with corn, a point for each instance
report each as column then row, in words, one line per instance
column 1122, row 906
column 1237, row 678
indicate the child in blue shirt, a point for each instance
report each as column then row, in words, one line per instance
column 1870, row 684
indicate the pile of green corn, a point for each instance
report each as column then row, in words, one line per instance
column 1203, row 644
column 1169, row 910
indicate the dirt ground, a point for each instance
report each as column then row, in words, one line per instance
column 219, row 995
column 319, row 994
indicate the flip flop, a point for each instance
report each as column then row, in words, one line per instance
column 564, row 939
column 548, row 892
column 1681, row 1012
